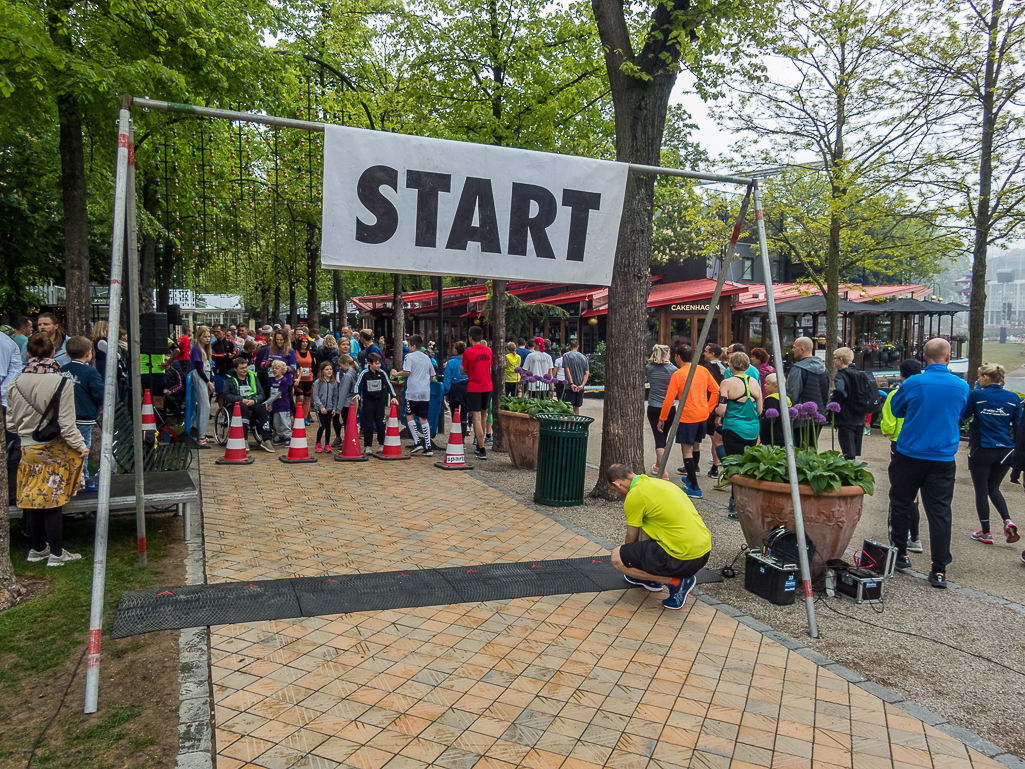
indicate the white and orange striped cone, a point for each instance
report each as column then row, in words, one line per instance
column 392, row 448
column 149, row 419
column 351, row 451
column 298, row 447
column 235, row 452
column 454, row 457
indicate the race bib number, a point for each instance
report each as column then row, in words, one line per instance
column 374, row 385
column 245, row 391
column 304, row 371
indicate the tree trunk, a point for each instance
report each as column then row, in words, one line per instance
column 832, row 281
column 277, row 305
column 497, row 360
column 148, row 265
column 398, row 322
column 984, row 212
column 338, row 292
column 312, row 263
column 10, row 590
column 76, row 216
column 293, row 304
column 640, row 107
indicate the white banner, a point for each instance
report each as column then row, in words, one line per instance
column 395, row 203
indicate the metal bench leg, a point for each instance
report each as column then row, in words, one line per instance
column 187, row 521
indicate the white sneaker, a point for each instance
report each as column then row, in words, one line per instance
column 38, row 555
column 65, row 557
column 368, row 450
column 915, row 547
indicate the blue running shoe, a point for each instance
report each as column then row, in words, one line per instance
column 693, row 493
column 685, row 482
column 654, row 587
column 678, row 593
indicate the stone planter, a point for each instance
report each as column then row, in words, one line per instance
column 829, row 519
column 521, row 434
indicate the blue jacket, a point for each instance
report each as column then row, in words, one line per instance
column 88, row 389
column 452, row 374
column 930, row 404
column 995, row 414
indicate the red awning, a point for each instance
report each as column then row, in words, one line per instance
column 689, row 291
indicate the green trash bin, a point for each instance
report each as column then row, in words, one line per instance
column 561, row 459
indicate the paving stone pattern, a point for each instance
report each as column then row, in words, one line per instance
column 560, row 682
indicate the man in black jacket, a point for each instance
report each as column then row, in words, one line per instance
column 808, row 381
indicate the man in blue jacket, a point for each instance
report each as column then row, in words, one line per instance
column 931, row 405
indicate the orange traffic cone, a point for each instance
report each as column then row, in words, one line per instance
column 454, row 459
column 392, row 448
column 235, row 451
column 149, row 420
column 298, row 448
column 351, row 451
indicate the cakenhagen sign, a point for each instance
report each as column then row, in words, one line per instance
column 692, row 307
column 395, row 203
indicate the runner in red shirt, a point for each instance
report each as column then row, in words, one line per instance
column 477, row 367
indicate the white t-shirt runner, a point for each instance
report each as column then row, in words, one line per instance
column 418, row 384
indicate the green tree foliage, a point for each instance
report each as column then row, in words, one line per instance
column 846, row 105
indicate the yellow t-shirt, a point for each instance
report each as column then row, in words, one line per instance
column 666, row 515
column 512, row 360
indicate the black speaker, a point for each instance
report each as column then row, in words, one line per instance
column 153, row 333
column 174, row 314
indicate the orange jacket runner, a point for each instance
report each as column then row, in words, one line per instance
column 701, row 400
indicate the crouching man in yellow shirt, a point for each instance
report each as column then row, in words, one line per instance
column 667, row 543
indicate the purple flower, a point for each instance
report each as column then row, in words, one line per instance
column 833, row 406
column 820, row 419
column 794, row 412
column 518, row 369
column 771, row 414
column 811, row 408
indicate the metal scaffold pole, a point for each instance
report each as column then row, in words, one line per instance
column 134, row 336
column 92, row 671
column 788, row 430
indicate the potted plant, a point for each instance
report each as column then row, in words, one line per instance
column 832, row 491
column 520, row 428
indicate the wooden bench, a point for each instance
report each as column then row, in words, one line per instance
column 162, row 489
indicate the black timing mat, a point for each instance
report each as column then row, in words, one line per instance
column 166, row 608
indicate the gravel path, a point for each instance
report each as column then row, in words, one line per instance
column 979, row 695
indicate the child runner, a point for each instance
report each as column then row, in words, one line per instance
column 174, row 384
column 277, row 403
column 241, row 386
column 419, row 371
column 454, row 385
column 371, row 386
column 477, row 367
column 348, row 372
column 88, row 394
column 304, row 373
column 325, row 396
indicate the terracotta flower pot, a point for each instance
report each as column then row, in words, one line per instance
column 829, row 519
column 521, row 434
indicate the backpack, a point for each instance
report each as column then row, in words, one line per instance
column 864, row 395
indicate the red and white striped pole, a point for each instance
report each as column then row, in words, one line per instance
column 92, row 670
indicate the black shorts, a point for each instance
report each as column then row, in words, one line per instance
column 734, row 444
column 306, row 388
column 660, row 435
column 417, row 408
column 478, row 401
column 648, row 556
column 572, row 398
column 689, row 433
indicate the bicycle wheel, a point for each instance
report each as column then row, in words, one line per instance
column 222, row 423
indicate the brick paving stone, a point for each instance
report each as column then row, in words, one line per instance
column 557, row 682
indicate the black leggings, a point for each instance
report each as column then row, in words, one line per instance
column 988, row 468
column 325, row 427
column 46, row 526
column 660, row 435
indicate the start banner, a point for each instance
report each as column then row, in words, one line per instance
column 396, row 203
